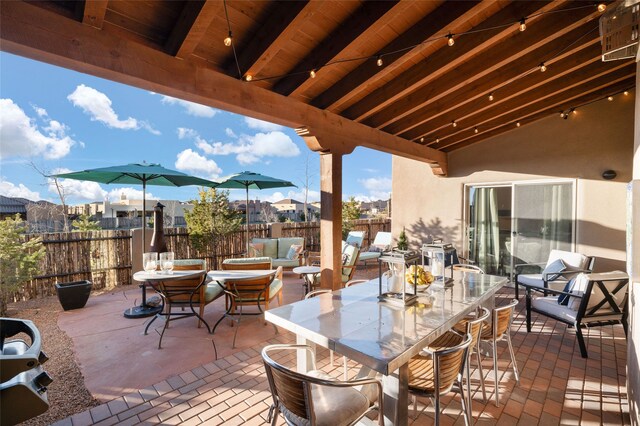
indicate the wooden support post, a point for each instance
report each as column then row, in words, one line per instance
column 331, row 220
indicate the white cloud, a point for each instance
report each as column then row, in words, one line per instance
column 9, row 189
column 129, row 192
column 191, row 161
column 98, row 106
column 20, row 136
column 265, row 126
column 296, row 194
column 378, row 189
column 191, row 108
column 230, row 133
column 247, row 149
column 40, row 111
column 368, row 170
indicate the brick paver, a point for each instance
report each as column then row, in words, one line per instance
column 556, row 387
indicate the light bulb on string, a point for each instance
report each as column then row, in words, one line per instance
column 523, row 25
column 312, row 73
column 517, row 124
column 421, row 140
column 574, row 111
column 610, row 98
column 561, row 114
column 379, row 61
column 491, row 96
column 475, row 130
column 450, row 40
column 543, row 67
column 228, row 40
column 626, row 93
column 602, row 7
column 248, row 77
column 437, row 140
column 454, row 124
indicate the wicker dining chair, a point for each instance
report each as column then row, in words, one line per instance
column 440, row 367
column 474, row 326
column 497, row 329
column 316, row 398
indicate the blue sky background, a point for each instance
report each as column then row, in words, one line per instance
column 60, row 120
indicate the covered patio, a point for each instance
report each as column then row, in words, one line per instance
column 459, row 93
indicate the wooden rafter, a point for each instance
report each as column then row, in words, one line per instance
column 521, row 76
column 191, row 26
column 445, row 59
column 607, row 82
column 435, row 23
column 69, row 44
column 93, row 12
column 520, row 44
column 362, row 20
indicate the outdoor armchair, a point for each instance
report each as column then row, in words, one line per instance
column 381, row 243
column 591, row 300
column 560, row 267
column 350, row 255
column 208, row 292
column 315, row 398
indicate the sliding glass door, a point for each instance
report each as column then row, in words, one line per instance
column 518, row 223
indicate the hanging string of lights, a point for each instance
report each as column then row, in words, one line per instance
column 379, row 58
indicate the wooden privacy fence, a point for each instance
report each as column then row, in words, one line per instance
column 105, row 258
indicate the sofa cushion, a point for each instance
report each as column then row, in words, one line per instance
column 549, row 305
column 285, row 263
column 284, row 244
column 580, row 286
column 569, row 258
column 535, row 280
column 198, row 264
column 241, row 260
column 294, row 251
column 212, row 291
column 270, row 246
column 552, row 269
column 369, row 255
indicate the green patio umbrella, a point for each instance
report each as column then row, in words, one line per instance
column 151, row 174
column 250, row 180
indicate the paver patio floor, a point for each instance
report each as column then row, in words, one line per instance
column 184, row 384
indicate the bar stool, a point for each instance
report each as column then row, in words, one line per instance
column 498, row 329
column 345, row 371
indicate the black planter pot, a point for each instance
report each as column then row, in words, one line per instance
column 73, row 295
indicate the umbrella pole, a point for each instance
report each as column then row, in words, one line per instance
column 247, row 214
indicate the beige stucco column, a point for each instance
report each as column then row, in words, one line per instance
column 331, row 220
column 633, row 266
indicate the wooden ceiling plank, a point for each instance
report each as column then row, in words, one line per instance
column 555, row 101
column 590, row 72
column 363, row 20
column 443, row 60
column 535, row 116
column 473, row 98
column 286, row 19
column 191, row 26
column 433, row 24
column 511, row 49
column 36, row 33
column 93, row 13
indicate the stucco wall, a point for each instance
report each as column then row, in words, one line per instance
column 598, row 138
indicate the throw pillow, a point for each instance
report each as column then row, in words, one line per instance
column 256, row 249
column 377, row 248
column 294, row 251
column 563, row 299
column 554, row 267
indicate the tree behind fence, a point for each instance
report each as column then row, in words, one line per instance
column 105, row 258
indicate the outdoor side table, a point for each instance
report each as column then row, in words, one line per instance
column 309, row 274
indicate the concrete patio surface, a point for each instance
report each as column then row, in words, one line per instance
column 183, row 383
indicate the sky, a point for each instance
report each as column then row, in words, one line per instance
column 54, row 120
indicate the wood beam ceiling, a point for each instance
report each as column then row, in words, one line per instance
column 511, row 49
column 37, row 33
column 195, row 18
column 436, row 23
column 363, row 20
column 93, row 13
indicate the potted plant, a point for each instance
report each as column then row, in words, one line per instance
column 73, row 295
column 403, row 242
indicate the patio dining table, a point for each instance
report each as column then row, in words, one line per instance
column 382, row 336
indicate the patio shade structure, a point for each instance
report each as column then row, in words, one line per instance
column 127, row 174
column 250, row 180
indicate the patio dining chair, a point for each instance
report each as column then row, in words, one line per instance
column 496, row 330
column 466, row 267
column 315, row 398
column 438, row 370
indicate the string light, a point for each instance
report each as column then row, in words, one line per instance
column 437, row 140
column 379, row 61
column 626, row 93
column 312, row 73
column 475, row 130
column 450, row 40
column 248, row 77
column 454, row 124
column 228, row 40
column 543, row 67
column 491, row 96
column 517, row 124
column 421, row 140
column 565, row 115
column 523, row 25
column 610, row 98
column 574, row 111
column 602, row 7
column 561, row 114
